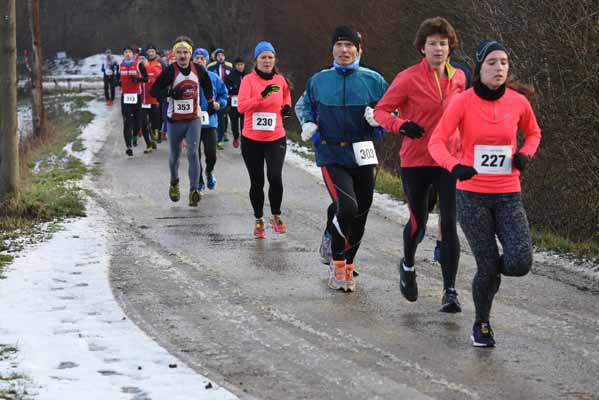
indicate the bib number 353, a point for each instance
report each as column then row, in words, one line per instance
column 493, row 159
column 262, row 121
column 184, row 106
column 365, row 153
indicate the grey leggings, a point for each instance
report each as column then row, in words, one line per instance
column 190, row 131
column 482, row 217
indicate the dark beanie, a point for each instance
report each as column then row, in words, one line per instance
column 485, row 48
column 151, row 46
column 128, row 47
column 346, row 33
column 238, row 60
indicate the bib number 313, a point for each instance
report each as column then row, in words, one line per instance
column 365, row 153
column 493, row 159
column 130, row 98
column 263, row 121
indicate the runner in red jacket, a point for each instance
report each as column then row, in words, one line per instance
column 421, row 93
column 265, row 100
column 489, row 203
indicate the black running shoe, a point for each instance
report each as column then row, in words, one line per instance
column 450, row 303
column 407, row 282
column 482, row 335
column 129, row 152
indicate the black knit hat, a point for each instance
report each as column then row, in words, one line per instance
column 238, row 60
column 346, row 33
column 485, row 48
column 128, row 47
column 151, row 46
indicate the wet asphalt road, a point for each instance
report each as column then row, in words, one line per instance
column 257, row 317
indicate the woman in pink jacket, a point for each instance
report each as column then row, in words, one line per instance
column 265, row 100
column 420, row 94
column 489, row 203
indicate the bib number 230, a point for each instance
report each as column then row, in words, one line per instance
column 365, row 153
column 264, row 121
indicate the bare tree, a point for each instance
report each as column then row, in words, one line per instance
column 9, row 141
column 37, row 69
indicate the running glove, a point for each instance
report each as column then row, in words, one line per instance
column 463, row 172
column 270, row 89
column 521, row 160
column 308, row 130
column 286, row 111
column 369, row 117
column 211, row 110
column 411, row 130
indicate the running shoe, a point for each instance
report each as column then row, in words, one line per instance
column 236, row 142
column 277, row 224
column 220, row 145
column 407, row 281
column 225, row 138
column 194, row 198
column 437, row 252
column 350, row 285
column 164, row 136
column 148, row 149
column 154, row 134
column 129, row 152
column 174, row 192
column 337, row 275
column 326, row 253
column 482, row 335
column 450, row 303
column 153, row 144
column 201, row 188
column 211, row 182
column 259, row 232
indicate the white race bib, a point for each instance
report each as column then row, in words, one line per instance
column 130, row 98
column 204, row 118
column 183, row 106
column 490, row 159
column 234, row 101
column 108, row 72
column 146, row 106
column 263, row 121
column 365, row 153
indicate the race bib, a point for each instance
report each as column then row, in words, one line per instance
column 492, row 159
column 183, row 106
column 365, row 153
column 108, row 72
column 233, row 101
column 263, row 121
column 146, row 106
column 204, row 118
column 130, row 98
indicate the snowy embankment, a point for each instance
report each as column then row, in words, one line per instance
column 72, row 338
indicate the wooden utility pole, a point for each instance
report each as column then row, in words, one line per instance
column 38, row 116
column 9, row 140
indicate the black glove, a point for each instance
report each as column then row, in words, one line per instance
column 411, row 130
column 270, row 89
column 463, row 172
column 521, row 160
column 134, row 79
column 211, row 110
column 286, row 111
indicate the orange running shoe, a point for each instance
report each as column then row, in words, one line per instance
column 337, row 275
column 277, row 224
column 259, row 232
column 350, row 285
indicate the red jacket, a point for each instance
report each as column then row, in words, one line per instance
column 251, row 104
column 154, row 68
column 490, row 123
column 419, row 97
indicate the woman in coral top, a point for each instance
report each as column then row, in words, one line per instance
column 489, row 203
column 265, row 100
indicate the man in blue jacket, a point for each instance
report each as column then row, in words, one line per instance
column 209, row 122
column 334, row 104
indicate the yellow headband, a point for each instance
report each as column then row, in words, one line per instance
column 185, row 45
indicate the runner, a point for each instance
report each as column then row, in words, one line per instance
column 170, row 59
column 421, row 93
column 222, row 69
column 151, row 106
column 209, row 122
column 180, row 82
column 144, row 108
column 233, row 81
column 265, row 100
column 334, row 103
column 489, row 202
column 110, row 70
column 131, row 75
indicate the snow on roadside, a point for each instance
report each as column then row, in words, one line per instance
column 25, row 122
column 73, row 340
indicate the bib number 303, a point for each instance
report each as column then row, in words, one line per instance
column 365, row 153
column 493, row 159
column 262, row 121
